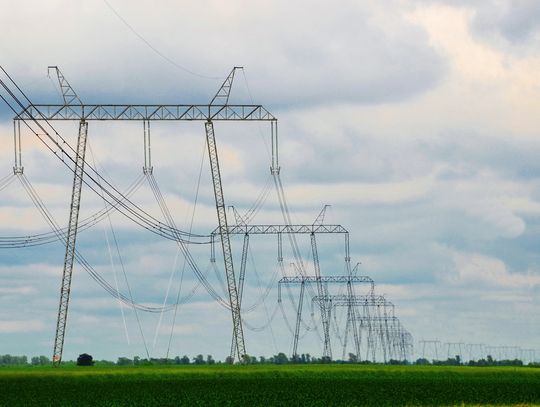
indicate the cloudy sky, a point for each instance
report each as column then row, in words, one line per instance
column 416, row 120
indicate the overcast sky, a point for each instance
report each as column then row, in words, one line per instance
column 416, row 120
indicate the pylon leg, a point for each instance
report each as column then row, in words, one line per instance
column 71, row 238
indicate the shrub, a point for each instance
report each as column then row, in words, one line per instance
column 85, row 360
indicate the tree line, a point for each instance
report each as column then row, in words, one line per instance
column 10, row 360
column 488, row 361
column 278, row 359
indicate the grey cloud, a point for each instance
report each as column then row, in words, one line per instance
column 362, row 156
column 330, row 56
column 515, row 22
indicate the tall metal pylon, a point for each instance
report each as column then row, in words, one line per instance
column 222, row 99
column 351, row 311
column 298, row 319
column 71, row 239
column 327, row 351
column 225, row 240
column 245, row 248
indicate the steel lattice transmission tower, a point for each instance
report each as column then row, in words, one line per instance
column 71, row 238
column 222, row 98
column 73, row 109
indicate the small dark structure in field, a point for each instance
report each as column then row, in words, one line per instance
column 85, row 360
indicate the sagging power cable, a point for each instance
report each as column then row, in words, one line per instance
column 126, row 206
column 80, row 259
column 11, row 242
column 134, row 212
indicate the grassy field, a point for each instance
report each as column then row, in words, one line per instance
column 291, row 385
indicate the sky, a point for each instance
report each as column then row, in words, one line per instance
column 415, row 120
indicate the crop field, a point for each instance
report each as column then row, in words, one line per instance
column 290, row 385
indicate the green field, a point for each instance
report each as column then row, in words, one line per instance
column 290, row 385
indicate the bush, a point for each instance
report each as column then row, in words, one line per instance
column 85, row 360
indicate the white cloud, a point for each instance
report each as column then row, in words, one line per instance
column 353, row 54
column 20, row 326
column 358, row 193
column 24, row 290
column 486, row 271
column 483, row 197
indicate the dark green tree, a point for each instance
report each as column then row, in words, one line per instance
column 122, row 361
column 85, row 360
column 44, row 360
column 281, row 359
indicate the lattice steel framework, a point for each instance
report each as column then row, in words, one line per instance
column 225, row 240
column 145, row 112
column 218, row 109
column 326, row 279
column 383, row 330
column 322, row 282
column 241, row 277
column 71, row 238
column 282, row 229
column 322, row 290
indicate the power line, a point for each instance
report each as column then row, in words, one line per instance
column 158, row 52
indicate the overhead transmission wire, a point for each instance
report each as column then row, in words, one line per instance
column 336, row 326
column 51, row 237
column 303, row 323
column 61, row 237
column 6, row 181
column 257, row 205
column 294, row 245
column 111, row 256
column 160, row 229
column 115, row 240
column 55, row 87
column 148, row 221
column 218, row 275
column 131, row 295
column 265, row 141
column 158, row 194
column 54, row 225
column 263, row 295
column 315, row 324
column 250, row 214
column 134, row 212
column 80, row 259
column 287, row 219
column 173, row 272
column 156, row 51
column 6, row 178
column 183, row 248
column 269, row 318
column 166, row 212
column 248, row 218
column 184, row 264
